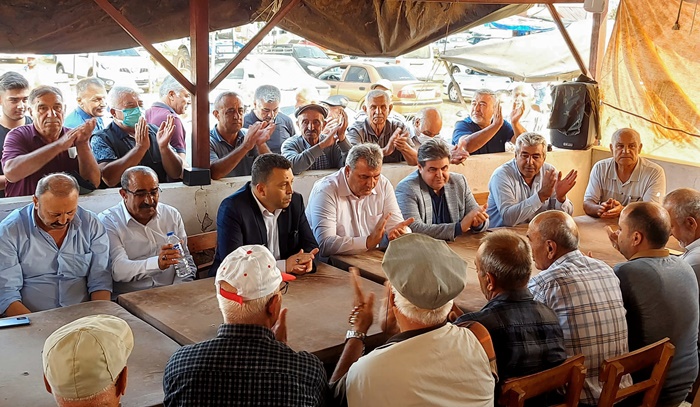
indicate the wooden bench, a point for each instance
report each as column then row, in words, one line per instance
column 202, row 247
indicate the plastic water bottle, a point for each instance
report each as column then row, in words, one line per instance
column 182, row 268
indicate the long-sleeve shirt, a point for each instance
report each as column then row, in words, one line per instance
column 134, row 247
column 512, row 202
column 34, row 270
column 342, row 221
column 304, row 157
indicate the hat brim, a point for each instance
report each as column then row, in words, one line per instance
column 288, row 277
column 321, row 109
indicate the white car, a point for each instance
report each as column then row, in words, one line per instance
column 281, row 71
column 123, row 67
column 469, row 83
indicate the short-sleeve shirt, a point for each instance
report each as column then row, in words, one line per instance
column 158, row 113
column 647, row 183
column 79, row 116
column 497, row 144
column 362, row 132
column 284, row 129
column 3, row 133
column 23, row 140
column 220, row 148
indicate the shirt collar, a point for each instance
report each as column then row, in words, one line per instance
column 82, row 113
column 263, row 210
column 568, row 256
column 127, row 216
column 344, row 188
column 693, row 245
column 245, row 331
column 651, row 253
column 217, row 136
column 636, row 172
column 163, row 106
column 522, row 294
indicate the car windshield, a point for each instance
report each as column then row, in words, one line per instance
column 310, row 52
column 395, row 73
column 120, row 53
column 283, row 66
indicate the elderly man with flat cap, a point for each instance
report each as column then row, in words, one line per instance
column 84, row 361
column 430, row 362
column 321, row 145
column 248, row 363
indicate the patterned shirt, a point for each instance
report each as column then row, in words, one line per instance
column 243, row 366
column 585, row 294
column 526, row 334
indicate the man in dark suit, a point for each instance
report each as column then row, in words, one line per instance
column 267, row 212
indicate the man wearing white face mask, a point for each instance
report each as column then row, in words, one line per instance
column 427, row 125
column 130, row 141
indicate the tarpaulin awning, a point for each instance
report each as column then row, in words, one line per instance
column 540, row 57
column 369, row 27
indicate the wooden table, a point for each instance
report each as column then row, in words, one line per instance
column 21, row 374
column 592, row 236
column 319, row 305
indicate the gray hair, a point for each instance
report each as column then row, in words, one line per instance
column 527, row 89
column 375, row 93
column 117, row 93
column 59, row 184
column 170, row 83
column 235, row 313
column 558, row 227
column 101, row 398
column 220, row 98
column 530, row 139
column 485, row 92
column 623, row 130
column 268, row 94
column 685, row 203
column 44, row 90
column 264, row 164
column 308, row 95
column 370, row 152
column 433, row 149
column 420, row 315
column 507, row 256
column 138, row 169
column 13, row 81
column 82, row 86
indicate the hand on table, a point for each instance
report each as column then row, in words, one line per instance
column 301, row 263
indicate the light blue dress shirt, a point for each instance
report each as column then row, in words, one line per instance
column 34, row 270
column 79, row 116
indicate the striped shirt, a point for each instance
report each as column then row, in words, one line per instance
column 585, row 294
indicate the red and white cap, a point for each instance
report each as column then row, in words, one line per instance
column 252, row 271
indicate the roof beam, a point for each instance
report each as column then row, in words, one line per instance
column 138, row 36
column 493, row 1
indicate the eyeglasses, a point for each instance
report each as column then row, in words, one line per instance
column 143, row 194
column 284, row 287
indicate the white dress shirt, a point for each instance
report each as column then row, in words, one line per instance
column 134, row 248
column 273, row 233
column 341, row 221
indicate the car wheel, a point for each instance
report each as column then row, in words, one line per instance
column 59, row 69
column 452, row 93
column 182, row 59
column 455, row 69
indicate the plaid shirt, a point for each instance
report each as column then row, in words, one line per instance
column 526, row 334
column 243, row 366
column 585, row 294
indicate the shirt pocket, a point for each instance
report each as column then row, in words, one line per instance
column 74, row 265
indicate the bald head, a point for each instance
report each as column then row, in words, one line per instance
column 59, row 184
column 428, row 122
column 650, row 220
column 558, row 227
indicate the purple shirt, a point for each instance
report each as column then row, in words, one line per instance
column 24, row 140
column 158, row 113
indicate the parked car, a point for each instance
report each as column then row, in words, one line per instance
column 311, row 58
column 282, row 71
column 353, row 80
column 468, row 83
column 420, row 62
column 126, row 66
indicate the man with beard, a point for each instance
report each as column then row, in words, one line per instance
column 233, row 149
column 322, row 144
column 53, row 253
column 14, row 97
column 174, row 99
column 92, row 102
column 266, row 211
column 45, row 146
column 388, row 134
column 266, row 109
column 137, row 228
column 130, row 141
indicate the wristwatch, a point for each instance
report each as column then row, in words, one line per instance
column 354, row 334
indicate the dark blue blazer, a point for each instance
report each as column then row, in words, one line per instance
column 239, row 222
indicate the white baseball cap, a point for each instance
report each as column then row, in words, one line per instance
column 252, row 271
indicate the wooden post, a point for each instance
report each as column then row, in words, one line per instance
column 567, row 39
column 199, row 44
column 598, row 37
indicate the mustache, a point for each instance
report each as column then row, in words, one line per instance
column 147, row 206
column 58, row 225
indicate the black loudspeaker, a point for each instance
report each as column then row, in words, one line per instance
column 196, row 176
column 574, row 123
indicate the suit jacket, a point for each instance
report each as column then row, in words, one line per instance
column 239, row 222
column 413, row 196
